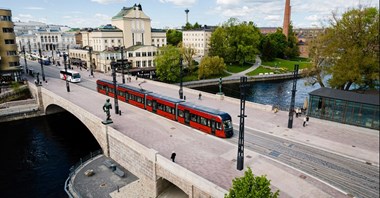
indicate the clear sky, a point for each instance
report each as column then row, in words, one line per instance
column 170, row 13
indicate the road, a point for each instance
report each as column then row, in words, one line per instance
column 352, row 176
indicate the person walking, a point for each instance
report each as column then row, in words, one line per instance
column 304, row 121
column 307, row 120
column 200, row 96
column 173, row 156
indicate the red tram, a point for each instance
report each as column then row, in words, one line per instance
column 206, row 119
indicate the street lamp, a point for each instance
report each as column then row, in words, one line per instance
column 41, row 62
column 291, row 109
column 180, row 76
column 68, row 61
column 64, row 63
column 26, row 64
column 113, row 66
column 122, row 63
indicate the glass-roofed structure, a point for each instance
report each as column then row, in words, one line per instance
column 345, row 107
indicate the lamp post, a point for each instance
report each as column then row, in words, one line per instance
column 113, row 67
column 91, row 70
column 180, row 76
column 64, row 63
column 26, row 64
column 68, row 59
column 291, row 109
column 240, row 156
column 41, row 62
column 122, row 63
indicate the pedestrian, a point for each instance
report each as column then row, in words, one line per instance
column 173, row 156
column 304, row 122
column 296, row 112
column 307, row 119
column 200, row 96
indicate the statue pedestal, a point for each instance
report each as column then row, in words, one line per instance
column 220, row 95
column 105, row 122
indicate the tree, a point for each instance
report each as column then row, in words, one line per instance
column 174, row 37
column 292, row 49
column 352, row 45
column 167, row 63
column 187, row 54
column 251, row 186
column 211, row 66
column 235, row 41
column 273, row 45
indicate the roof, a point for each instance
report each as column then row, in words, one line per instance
column 123, row 11
column 204, row 109
column 346, row 95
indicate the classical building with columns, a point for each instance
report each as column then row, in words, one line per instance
column 130, row 30
column 198, row 40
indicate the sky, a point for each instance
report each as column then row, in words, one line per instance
column 171, row 13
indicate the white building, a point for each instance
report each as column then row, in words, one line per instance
column 45, row 38
column 131, row 29
column 198, row 40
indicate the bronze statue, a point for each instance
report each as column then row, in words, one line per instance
column 106, row 108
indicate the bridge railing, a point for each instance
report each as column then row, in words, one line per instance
column 69, row 187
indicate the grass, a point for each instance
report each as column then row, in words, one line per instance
column 287, row 64
column 261, row 69
column 236, row 68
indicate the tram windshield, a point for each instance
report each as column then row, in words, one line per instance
column 227, row 124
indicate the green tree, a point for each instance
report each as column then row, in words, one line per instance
column 351, row 43
column 235, row 41
column 187, row 54
column 211, row 66
column 279, row 41
column 292, row 49
column 174, row 37
column 268, row 51
column 218, row 42
column 167, row 63
column 251, row 186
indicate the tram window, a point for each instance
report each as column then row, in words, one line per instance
column 149, row 103
column 159, row 106
column 203, row 121
column 180, row 113
column 168, row 109
column 193, row 118
column 139, row 99
column 227, row 124
column 218, row 126
column 126, row 95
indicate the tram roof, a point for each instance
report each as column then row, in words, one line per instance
column 203, row 108
column 166, row 98
column 346, row 95
column 134, row 88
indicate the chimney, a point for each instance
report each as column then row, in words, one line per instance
column 285, row 28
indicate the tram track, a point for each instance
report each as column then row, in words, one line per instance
column 349, row 175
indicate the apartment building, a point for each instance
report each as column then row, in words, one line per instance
column 10, row 69
column 198, row 40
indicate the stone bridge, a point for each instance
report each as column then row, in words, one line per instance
column 155, row 172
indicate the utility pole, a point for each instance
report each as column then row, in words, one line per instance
column 64, row 63
column 26, row 64
column 181, row 76
column 113, row 67
column 41, row 62
column 122, row 63
column 240, row 155
column 291, row 109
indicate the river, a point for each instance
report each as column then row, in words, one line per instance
column 37, row 154
column 274, row 93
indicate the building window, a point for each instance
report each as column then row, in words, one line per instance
column 149, row 53
column 137, row 63
column 138, row 54
column 11, row 53
column 149, row 63
column 10, row 41
column 119, row 41
column 144, row 63
column 130, row 54
column 8, row 30
column 144, row 54
column 5, row 18
column 105, row 41
column 12, row 64
column 112, row 41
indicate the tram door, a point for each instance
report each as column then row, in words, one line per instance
column 154, row 106
column 187, row 117
column 212, row 126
